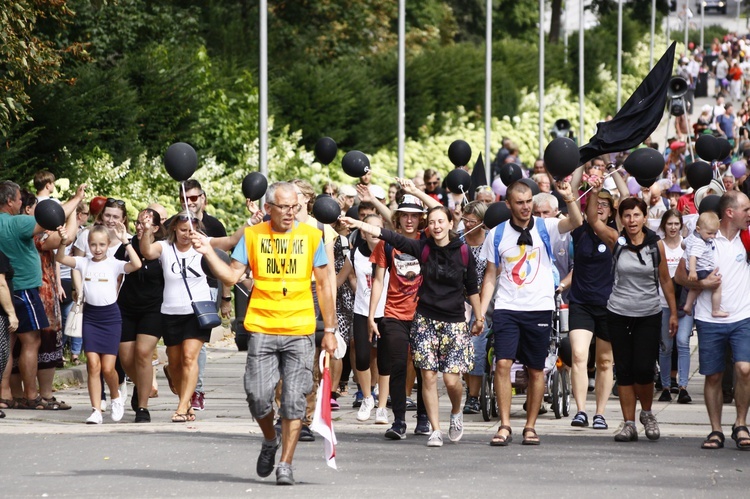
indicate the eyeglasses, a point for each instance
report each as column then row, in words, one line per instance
column 193, row 199
column 116, row 202
column 469, row 221
column 602, row 205
column 285, row 208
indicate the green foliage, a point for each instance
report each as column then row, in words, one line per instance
column 711, row 32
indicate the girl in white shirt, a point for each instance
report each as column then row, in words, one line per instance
column 101, row 316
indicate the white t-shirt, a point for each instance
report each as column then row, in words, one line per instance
column 524, row 280
column 100, row 279
column 82, row 243
column 730, row 257
column 673, row 259
column 363, row 271
column 176, row 299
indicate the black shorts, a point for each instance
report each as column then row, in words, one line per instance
column 133, row 324
column 522, row 336
column 178, row 328
column 591, row 318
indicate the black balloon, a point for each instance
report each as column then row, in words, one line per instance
column 710, row 203
column 496, row 214
column 532, row 185
column 224, row 258
column 458, row 180
column 181, row 161
column 355, row 164
column 49, row 214
column 254, row 186
column 510, row 172
column 646, row 182
column 561, row 157
column 325, row 150
column 698, row 174
column 459, row 153
column 725, row 148
column 326, row 210
column 644, row 163
column 708, row 148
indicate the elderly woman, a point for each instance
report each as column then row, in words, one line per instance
column 634, row 312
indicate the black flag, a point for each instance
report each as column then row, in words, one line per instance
column 478, row 176
column 638, row 118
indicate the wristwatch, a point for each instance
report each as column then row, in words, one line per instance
column 226, row 298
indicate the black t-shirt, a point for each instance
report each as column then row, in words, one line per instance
column 592, row 264
column 143, row 290
column 7, row 270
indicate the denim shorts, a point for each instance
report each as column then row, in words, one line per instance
column 713, row 339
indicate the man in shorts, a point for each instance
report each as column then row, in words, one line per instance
column 283, row 255
column 732, row 272
column 17, row 242
column 520, row 264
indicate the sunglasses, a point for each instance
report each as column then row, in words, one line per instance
column 185, row 218
column 193, row 199
column 432, row 183
column 116, row 202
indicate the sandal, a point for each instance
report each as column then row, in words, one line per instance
column 75, row 360
column 55, row 405
column 191, row 415
column 743, row 443
column 2, row 414
column 37, row 404
column 714, row 440
column 9, row 404
column 500, row 440
column 179, row 418
column 169, row 378
column 530, row 440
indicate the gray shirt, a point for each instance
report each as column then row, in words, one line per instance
column 634, row 292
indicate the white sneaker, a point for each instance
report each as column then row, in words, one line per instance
column 456, row 429
column 118, row 408
column 381, row 416
column 366, row 408
column 103, row 405
column 95, row 418
column 436, row 439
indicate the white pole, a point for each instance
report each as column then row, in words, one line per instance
column 401, row 84
column 541, row 77
column 703, row 17
column 653, row 30
column 739, row 4
column 581, row 135
column 263, row 89
column 619, row 53
column 488, row 96
column 565, row 34
column 687, row 24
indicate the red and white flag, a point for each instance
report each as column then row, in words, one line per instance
column 322, row 422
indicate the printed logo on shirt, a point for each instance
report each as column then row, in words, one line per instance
column 408, row 273
column 187, row 265
column 276, row 258
column 521, row 268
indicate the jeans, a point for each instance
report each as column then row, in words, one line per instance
column 684, row 328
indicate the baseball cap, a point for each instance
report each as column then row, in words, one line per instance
column 676, row 145
column 347, row 190
column 377, row 191
column 410, row 204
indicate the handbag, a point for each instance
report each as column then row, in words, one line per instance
column 205, row 311
column 74, row 321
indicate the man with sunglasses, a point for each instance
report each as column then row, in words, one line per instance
column 283, row 256
column 196, row 204
column 432, row 187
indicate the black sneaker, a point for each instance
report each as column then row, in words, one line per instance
column 423, row 425
column 397, row 431
column 673, row 387
column 267, row 458
column 142, row 415
column 471, row 406
column 684, row 397
column 665, row 396
column 306, row 434
column 284, row 474
column 581, row 419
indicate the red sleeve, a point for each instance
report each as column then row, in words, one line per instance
column 378, row 255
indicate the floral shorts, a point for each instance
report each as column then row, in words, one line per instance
column 441, row 346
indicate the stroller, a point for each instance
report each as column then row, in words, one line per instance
column 557, row 365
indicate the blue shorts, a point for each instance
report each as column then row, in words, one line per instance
column 29, row 310
column 713, row 339
column 522, row 336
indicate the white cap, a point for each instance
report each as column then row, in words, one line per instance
column 377, row 191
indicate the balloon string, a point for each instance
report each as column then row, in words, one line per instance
column 184, row 196
column 472, row 230
column 589, row 189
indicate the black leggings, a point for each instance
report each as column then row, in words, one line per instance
column 393, row 352
column 4, row 343
column 635, row 347
column 362, row 343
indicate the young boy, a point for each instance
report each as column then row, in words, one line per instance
column 699, row 255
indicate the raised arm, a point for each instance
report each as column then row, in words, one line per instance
column 363, row 192
column 409, row 187
column 135, row 260
column 150, row 249
column 61, row 257
column 575, row 219
column 401, row 243
column 607, row 234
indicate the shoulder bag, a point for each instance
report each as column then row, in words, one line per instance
column 205, row 311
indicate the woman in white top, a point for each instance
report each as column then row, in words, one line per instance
column 112, row 214
column 183, row 336
column 102, row 322
column 671, row 226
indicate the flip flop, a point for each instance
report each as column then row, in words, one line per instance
column 714, row 440
column 500, row 440
column 532, row 440
column 179, row 418
column 743, row 443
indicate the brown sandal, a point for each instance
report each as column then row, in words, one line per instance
column 500, row 440
column 9, row 404
column 530, row 440
column 179, row 418
column 56, row 405
column 37, row 404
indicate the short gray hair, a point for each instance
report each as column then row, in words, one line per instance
column 271, row 191
column 8, row 191
column 545, row 197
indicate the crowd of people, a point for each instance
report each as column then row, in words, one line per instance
column 408, row 286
